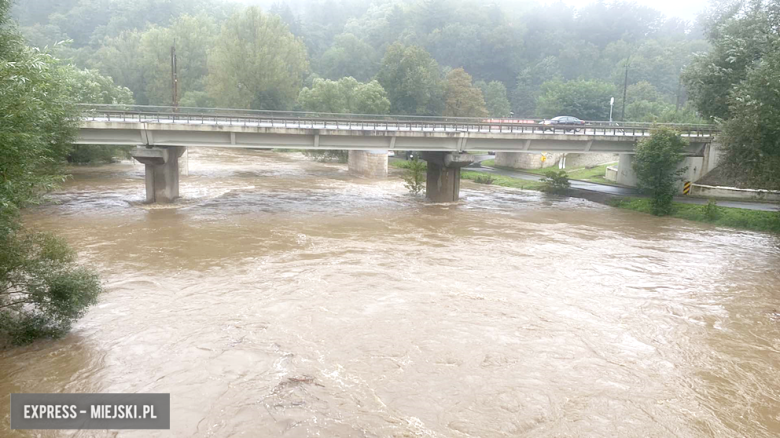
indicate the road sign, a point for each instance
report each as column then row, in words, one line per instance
column 687, row 188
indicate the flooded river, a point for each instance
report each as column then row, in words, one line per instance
column 282, row 297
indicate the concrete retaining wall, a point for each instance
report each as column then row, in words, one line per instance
column 586, row 160
column 369, row 164
column 522, row 160
column 705, row 191
column 612, row 174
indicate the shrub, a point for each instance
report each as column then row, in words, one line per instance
column 42, row 289
column 711, row 211
column 415, row 176
column 555, row 182
column 656, row 165
column 484, row 179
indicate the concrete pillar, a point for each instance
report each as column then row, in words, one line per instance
column 443, row 178
column 626, row 175
column 162, row 172
column 368, row 164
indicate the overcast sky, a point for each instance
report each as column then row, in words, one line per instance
column 687, row 9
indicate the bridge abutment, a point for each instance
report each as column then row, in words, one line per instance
column 443, row 177
column 162, row 172
column 368, row 164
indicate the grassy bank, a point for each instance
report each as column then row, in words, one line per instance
column 594, row 174
column 503, row 181
column 753, row 220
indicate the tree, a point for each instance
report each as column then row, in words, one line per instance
column 414, row 177
column 256, row 63
column 349, row 56
column 193, row 37
column 42, row 290
column 737, row 81
column 588, row 100
column 751, row 137
column 462, row 99
column 346, row 95
column 496, row 100
column 656, row 164
column 412, row 80
column 740, row 34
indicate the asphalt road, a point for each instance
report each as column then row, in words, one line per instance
column 627, row 191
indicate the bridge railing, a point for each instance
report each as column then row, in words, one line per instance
column 296, row 119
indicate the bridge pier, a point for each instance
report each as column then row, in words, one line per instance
column 443, row 178
column 368, row 164
column 162, row 172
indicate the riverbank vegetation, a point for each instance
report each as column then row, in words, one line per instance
column 657, row 166
column 736, row 83
column 42, row 289
column 753, row 220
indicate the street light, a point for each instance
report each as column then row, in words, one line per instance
column 611, row 105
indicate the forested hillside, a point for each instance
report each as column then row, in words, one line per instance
column 427, row 57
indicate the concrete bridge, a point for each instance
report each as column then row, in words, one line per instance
column 161, row 135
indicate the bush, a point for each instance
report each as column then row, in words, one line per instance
column 555, row 182
column 656, row 165
column 42, row 289
column 415, row 176
column 484, row 179
column 711, row 211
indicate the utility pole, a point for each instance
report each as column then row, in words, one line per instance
column 174, row 77
column 625, row 89
column 679, row 91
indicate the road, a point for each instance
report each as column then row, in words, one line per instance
column 627, row 191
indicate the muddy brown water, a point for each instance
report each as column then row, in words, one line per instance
column 282, row 297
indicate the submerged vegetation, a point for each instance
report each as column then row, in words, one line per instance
column 414, row 177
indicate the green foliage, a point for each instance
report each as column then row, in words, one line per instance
column 42, row 289
column 462, row 99
column 504, row 181
column 555, row 182
column 415, row 176
column 346, row 95
column 711, row 210
column 37, row 125
column 349, row 56
column 412, row 80
column 484, row 179
column 256, row 63
column 496, row 100
column 754, row 220
column 741, row 34
column 656, row 164
column 587, row 100
column 751, row 137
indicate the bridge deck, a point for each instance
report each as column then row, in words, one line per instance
column 263, row 129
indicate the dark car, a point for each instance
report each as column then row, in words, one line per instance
column 563, row 122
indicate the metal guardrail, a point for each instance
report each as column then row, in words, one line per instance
column 314, row 120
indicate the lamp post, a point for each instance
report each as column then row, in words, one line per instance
column 611, row 105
